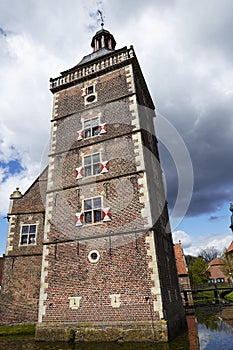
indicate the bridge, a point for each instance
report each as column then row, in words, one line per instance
column 219, row 290
column 195, row 288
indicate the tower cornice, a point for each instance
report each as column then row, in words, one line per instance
column 96, row 66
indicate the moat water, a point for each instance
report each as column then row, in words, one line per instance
column 210, row 332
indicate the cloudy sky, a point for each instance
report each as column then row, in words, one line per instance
column 185, row 49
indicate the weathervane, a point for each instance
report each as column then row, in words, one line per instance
column 101, row 18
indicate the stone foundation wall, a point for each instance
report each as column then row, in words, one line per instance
column 112, row 331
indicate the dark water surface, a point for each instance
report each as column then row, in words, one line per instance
column 181, row 343
column 210, row 332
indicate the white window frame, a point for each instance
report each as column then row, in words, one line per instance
column 28, row 234
column 92, row 210
column 92, row 165
column 90, row 258
column 92, row 128
column 90, row 94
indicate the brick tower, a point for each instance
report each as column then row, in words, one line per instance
column 108, row 267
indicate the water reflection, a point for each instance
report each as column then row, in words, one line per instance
column 213, row 332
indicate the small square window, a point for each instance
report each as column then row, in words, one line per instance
column 91, row 128
column 92, row 164
column 90, row 89
column 93, row 210
column 28, row 235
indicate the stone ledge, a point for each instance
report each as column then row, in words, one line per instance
column 156, row 331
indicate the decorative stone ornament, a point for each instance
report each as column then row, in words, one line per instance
column 79, row 173
column 16, row 194
column 106, row 214
column 80, row 135
column 115, row 300
column 74, row 302
column 104, row 167
column 102, row 128
column 83, row 91
column 79, row 219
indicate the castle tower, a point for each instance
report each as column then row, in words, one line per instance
column 108, row 268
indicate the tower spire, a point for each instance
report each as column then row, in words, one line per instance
column 103, row 39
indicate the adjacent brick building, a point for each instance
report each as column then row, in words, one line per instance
column 183, row 275
column 216, row 271
column 94, row 226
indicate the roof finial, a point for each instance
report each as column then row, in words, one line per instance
column 101, row 18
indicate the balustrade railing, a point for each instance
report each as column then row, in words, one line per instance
column 91, row 68
column 206, row 286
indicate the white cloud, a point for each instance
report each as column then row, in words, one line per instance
column 23, row 180
column 25, row 111
column 193, row 245
column 183, row 237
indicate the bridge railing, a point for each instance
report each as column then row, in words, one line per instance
column 203, row 286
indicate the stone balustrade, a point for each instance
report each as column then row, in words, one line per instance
column 82, row 72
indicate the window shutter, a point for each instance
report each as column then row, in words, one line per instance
column 80, row 135
column 104, row 167
column 102, row 128
column 79, row 173
column 106, row 214
column 79, row 219
column 83, row 91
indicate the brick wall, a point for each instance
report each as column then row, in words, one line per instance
column 20, row 290
column 1, row 269
column 121, row 270
column 108, row 87
column 22, row 263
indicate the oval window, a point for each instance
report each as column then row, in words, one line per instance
column 91, row 98
column 94, row 256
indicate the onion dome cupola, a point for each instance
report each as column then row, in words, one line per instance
column 103, row 39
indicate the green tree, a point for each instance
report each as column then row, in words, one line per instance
column 198, row 272
column 227, row 268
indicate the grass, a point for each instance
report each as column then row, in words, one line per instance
column 203, row 297
column 229, row 297
column 20, row 329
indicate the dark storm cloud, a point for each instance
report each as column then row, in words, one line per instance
column 210, row 147
column 194, row 91
column 209, row 27
column 213, row 218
